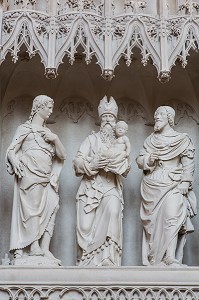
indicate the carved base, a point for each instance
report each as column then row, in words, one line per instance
column 37, row 261
column 120, row 283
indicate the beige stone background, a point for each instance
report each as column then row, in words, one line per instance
column 77, row 91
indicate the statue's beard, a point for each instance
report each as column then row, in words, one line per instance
column 107, row 133
column 158, row 126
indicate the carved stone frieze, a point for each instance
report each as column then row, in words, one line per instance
column 131, row 111
column 101, row 31
column 128, row 110
column 29, row 292
column 75, row 108
column 104, row 283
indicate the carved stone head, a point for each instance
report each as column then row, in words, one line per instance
column 164, row 115
column 39, row 102
column 108, row 107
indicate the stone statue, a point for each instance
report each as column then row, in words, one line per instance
column 168, row 202
column 99, row 198
column 35, row 157
column 122, row 140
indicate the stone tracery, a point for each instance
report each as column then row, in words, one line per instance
column 102, row 31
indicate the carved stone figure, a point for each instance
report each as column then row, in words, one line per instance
column 35, row 157
column 99, row 198
column 168, row 202
column 122, row 140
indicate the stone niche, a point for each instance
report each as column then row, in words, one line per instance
column 76, row 92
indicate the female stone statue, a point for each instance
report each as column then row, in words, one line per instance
column 35, row 157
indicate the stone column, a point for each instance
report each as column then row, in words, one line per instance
column 108, row 66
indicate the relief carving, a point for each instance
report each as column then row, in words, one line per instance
column 131, row 111
column 97, row 293
column 75, row 108
column 182, row 109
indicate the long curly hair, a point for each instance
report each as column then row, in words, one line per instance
column 39, row 102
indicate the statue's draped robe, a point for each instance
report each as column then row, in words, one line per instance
column 35, row 200
column 100, row 197
column 165, row 212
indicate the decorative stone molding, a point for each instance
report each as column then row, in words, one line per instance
column 102, row 283
column 60, row 27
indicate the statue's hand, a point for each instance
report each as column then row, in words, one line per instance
column 183, row 187
column 50, row 137
column 152, row 158
column 17, row 168
column 98, row 163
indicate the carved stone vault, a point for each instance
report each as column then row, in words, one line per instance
column 164, row 32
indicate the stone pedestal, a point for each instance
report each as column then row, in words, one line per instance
column 98, row 283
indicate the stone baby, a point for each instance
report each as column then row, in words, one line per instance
column 122, row 142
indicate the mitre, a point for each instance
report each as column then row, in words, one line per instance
column 108, row 107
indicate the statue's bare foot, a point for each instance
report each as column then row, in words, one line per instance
column 18, row 253
column 170, row 261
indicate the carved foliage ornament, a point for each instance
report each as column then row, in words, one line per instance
column 189, row 7
column 135, row 5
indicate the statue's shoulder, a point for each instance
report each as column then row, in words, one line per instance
column 150, row 136
column 181, row 135
column 93, row 135
column 24, row 127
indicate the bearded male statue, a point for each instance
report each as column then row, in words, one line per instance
column 168, row 202
column 99, row 198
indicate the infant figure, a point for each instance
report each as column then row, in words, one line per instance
column 122, row 142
